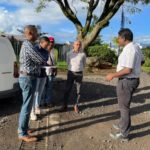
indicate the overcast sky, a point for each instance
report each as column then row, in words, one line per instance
column 17, row 13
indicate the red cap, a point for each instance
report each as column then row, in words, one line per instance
column 51, row 39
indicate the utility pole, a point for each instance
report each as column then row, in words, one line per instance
column 122, row 25
column 122, row 18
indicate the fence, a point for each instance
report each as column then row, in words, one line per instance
column 16, row 46
column 61, row 48
column 62, row 51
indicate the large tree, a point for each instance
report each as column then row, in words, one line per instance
column 84, row 32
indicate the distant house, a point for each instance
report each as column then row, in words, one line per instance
column 63, row 49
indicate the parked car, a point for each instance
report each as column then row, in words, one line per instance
column 8, row 70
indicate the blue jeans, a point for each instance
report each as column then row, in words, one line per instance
column 48, row 92
column 27, row 84
column 39, row 91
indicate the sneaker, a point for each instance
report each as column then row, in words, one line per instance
column 115, row 126
column 33, row 116
column 37, row 111
column 119, row 136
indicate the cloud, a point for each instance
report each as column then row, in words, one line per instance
column 7, row 20
column 51, row 18
column 26, row 14
column 65, row 35
column 47, row 16
column 143, row 39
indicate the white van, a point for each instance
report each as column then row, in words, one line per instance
column 8, row 82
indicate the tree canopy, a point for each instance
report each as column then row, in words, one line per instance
column 84, row 31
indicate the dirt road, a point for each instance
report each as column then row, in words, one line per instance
column 88, row 130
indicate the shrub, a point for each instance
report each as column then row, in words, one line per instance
column 55, row 55
column 103, row 52
column 146, row 52
column 62, row 64
column 147, row 62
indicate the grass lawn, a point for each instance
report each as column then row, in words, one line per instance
column 61, row 65
column 146, row 69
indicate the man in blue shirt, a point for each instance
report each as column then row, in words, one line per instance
column 41, row 78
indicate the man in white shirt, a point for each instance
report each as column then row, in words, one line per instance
column 128, row 72
column 76, row 60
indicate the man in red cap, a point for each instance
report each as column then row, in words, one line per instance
column 51, row 39
column 48, row 97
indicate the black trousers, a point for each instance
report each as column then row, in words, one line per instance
column 73, row 77
column 125, row 90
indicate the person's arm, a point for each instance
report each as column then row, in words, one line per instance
column 50, row 61
column 142, row 62
column 121, row 73
column 84, row 60
column 127, row 65
column 34, row 55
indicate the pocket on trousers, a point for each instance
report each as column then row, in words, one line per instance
column 119, row 88
column 132, row 84
column 24, row 83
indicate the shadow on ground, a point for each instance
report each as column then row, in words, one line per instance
column 90, row 91
column 95, row 92
column 10, row 106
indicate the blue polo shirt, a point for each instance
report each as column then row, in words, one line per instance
column 43, row 52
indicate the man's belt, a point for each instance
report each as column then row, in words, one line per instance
column 27, row 74
column 128, row 78
column 80, row 72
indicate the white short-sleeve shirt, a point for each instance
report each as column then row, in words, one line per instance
column 76, row 61
column 131, row 57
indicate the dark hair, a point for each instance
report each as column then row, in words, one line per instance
column 44, row 38
column 31, row 27
column 126, row 34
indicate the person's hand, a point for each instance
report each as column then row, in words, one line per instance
column 55, row 72
column 110, row 76
column 49, row 63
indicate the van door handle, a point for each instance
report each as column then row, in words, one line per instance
column 6, row 72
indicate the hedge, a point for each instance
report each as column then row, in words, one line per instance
column 103, row 52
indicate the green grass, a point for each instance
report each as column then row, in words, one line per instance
column 61, row 65
column 146, row 69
